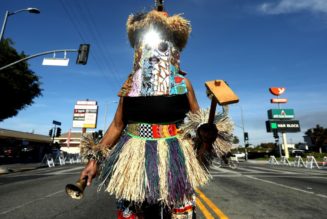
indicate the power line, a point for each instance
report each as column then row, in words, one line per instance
column 77, row 23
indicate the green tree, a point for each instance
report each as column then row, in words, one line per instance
column 235, row 140
column 318, row 136
column 18, row 84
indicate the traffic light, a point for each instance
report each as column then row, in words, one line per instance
column 50, row 132
column 246, row 136
column 247, row 145
column 83, row 54
column 100, row 132
column 275, row 133
column 58, row 133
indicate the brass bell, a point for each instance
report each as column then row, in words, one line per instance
column 76, row 191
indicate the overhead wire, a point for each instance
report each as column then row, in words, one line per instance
column 99, row 41
column 77, row 23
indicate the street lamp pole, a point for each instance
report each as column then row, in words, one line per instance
column 8, row 13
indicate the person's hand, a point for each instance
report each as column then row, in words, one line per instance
column 207, row 133
column 206, row 136
column 89, row 171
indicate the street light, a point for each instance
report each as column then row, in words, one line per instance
column 8, row 13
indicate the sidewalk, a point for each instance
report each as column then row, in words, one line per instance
column 20, row 167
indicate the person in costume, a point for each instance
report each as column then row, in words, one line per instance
column 149, row 154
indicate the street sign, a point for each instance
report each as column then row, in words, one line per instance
column 278, row 100
column 56, row 122
column 55, row 61
column 283, row 125
column 280, row 114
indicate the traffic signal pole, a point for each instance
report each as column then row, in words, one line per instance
column 82, row 55
column 37, row 55
column 54, row 133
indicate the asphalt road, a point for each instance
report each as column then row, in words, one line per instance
column 251, row 191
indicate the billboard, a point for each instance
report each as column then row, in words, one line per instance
column 85, row 114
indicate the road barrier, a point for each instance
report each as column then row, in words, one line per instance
column 272, row 160
column 61, row 159
column 284, row 161
column 298, row 162
column 74, row 158
column 324, row 162
column 48, row 159
column 311, row 162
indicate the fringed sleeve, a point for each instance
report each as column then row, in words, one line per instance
column 92, row 150
column 223, row 142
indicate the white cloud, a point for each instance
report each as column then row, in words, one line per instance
column 291, row 6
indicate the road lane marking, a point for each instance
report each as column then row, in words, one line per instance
column 203, row 209
column 275, row 170
column 246, row 170
column 65, row 171
column 30, row 202
column 215, row 209
column 287, row 187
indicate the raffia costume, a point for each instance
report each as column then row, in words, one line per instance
column 155, row 160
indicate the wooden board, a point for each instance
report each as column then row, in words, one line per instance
column 224, row 94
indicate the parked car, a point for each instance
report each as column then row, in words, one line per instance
column 297, row 152
column 239, row 155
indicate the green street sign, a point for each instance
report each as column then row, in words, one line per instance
column 273, row 125
column 283, row 125
column 280, row 114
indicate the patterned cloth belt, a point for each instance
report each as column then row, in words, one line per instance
column 152, row 130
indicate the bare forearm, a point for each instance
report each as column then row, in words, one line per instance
column 116, row 127
column 112, row 135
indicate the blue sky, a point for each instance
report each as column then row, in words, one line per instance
column 251, row 44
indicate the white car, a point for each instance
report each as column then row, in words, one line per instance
column 239, row 155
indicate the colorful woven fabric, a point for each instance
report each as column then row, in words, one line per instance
column 152, row 131
column 163, row 170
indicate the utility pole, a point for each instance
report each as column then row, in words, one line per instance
column 244, row 138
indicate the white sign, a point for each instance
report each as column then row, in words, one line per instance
column 278, row 100
column 86, row 102
column 55, row 62
column 85, row 114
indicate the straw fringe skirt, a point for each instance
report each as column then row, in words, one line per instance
column 161, row 170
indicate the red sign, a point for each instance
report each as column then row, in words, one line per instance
column 277, row 90
column 278, row 100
